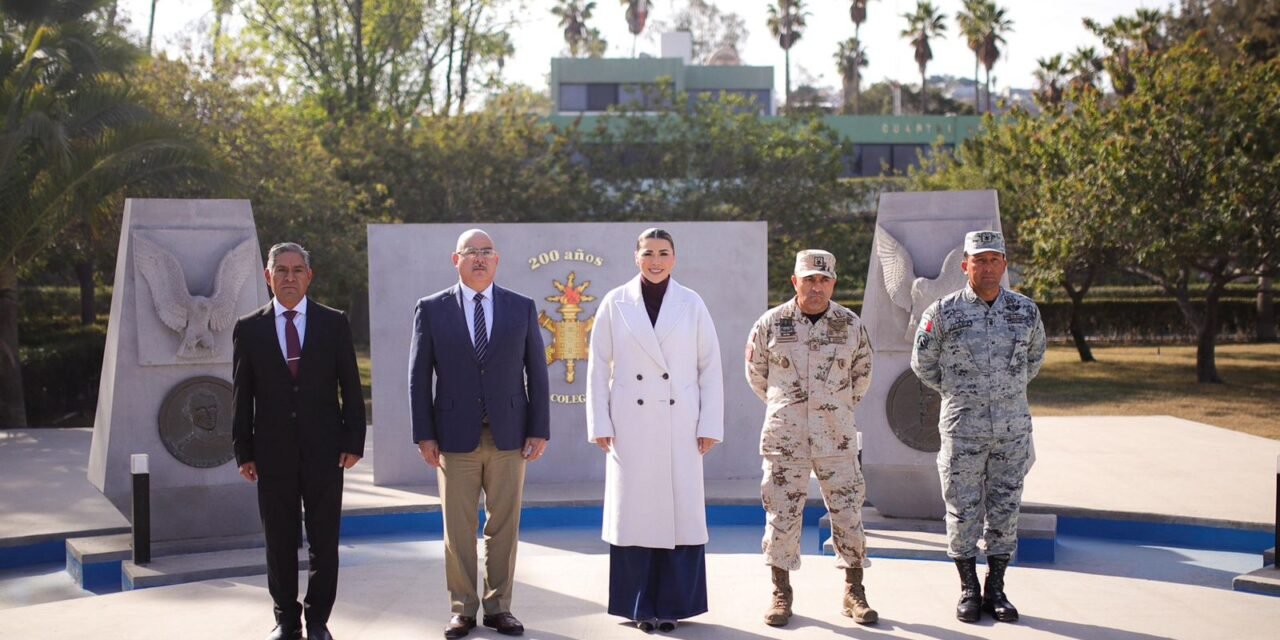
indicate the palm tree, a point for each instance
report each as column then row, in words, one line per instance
column 858, row 13
column 969, row 20
column 151, row 25
column 786, row 23
column 573, row 16
column 925, row 23
column 1049, row 75
column 71, row 138
column 996, row 25
column 1125, row 37
column 851, row 59
column 637, row 13
column 1085, row 66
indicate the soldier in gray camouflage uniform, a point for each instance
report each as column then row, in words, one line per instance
column 979, row 347
column 809, row 359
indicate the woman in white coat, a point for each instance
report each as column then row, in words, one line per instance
column 655, row 405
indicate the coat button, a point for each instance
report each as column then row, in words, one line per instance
column 293, row 414
column 295, row 388
column 673, row 401
column 666, row 376
column 641, row 401
column 639, row 377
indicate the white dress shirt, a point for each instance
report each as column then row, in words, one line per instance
column 299, row 321
column 468, row 301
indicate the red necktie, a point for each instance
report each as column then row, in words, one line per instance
column 292, row 345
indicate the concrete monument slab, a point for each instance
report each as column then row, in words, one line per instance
column 566, row 268
column 918, row 246
column 186, row 269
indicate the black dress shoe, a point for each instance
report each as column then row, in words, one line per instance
column 285, row 633
column 459, row 626
column 504, row 623
column 318, row 632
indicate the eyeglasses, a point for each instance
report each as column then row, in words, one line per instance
column 470, row 252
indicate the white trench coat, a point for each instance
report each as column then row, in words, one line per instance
column 655, row 389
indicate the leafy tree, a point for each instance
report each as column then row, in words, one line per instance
column 1231, row 27
column 71, row 137
column 787, row 22
column 720, row 161
column 388, row 58
column 274, row 156
column 1192, row 178
column 922, row 25
column 712, row 30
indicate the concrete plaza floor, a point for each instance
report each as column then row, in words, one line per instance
column 1150, row 470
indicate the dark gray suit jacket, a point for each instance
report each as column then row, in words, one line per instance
column 280, row 422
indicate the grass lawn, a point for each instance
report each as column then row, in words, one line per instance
column 1151, row 380
column 1148, row 380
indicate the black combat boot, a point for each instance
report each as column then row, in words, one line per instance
column 969, row 609
column 993, row 598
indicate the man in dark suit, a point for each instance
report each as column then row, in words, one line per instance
column 488, row 414
column 293, row 437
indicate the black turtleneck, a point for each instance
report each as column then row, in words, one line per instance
column 653, row 293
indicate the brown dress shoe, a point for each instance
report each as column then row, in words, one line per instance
column 504, row 623
column 459, row 626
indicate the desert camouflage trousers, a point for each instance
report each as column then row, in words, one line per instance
column 982, row 486
column 783, row 492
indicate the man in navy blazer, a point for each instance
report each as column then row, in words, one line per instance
column 299, row 422
column 487, row 415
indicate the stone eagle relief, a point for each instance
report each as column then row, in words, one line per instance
column 911, row 293
column 195, row 317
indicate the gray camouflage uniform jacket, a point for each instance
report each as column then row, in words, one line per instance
column 980, row 358
column 810, row 376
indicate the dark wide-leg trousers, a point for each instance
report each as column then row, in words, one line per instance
column 667, row 584
column 281, row 501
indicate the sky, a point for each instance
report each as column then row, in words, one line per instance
column 1041, row 29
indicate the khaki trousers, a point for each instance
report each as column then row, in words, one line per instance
column 461, row 478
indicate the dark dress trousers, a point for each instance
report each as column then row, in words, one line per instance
column 295, row 430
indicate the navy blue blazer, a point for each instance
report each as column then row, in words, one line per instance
column 511, row 382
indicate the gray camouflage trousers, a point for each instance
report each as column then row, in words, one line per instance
column 783, row 492
column 983, row 476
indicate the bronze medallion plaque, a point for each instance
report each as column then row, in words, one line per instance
column 913, row 413
column 195, row 422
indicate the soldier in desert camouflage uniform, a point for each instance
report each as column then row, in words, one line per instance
column 809, row 359
column 979, row 347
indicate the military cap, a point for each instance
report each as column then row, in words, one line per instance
column 815, row 261
column 976, row 242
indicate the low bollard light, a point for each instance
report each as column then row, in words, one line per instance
column 141, row 508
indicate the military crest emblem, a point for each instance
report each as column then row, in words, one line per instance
column 570, row 336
